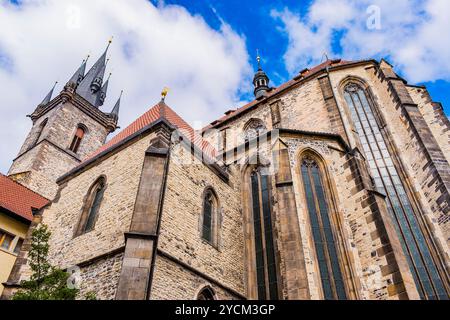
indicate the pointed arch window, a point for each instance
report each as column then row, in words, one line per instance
column 323, row 237
column 210, row 217
column 253, row 129
column 206, row 294
column 425, row 272
column 91, row 207
column 78, row 137
column 39, row 131
column 266, row 272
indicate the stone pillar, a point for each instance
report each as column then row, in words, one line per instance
column 332, row 107
column 142, row 239
column 402, row 286
column 295, row 277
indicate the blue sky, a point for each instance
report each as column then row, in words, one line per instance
column 253, row 19
column 204, row 51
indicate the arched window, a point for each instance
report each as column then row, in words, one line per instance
column 206, row 294
column 253, row 129
column 39, row 132
column 91, row 207
column 325, row 245
column 76, row 141
column 387, row 181
column 210, row 217
column 266, row 273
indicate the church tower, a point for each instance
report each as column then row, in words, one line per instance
column 66, row 129
column 260, row 81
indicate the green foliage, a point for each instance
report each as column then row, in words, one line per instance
column 46, row 282
column 90, row 296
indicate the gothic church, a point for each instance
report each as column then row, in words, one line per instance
column 334, row 185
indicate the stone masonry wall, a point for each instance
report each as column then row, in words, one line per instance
column 122, row 171
column 412, row 159
column 302, row 108
column 435, row 118
column 50, row 158
column 173, row 282
column 64, row 125
column 101, row 278
column 180, row 226
column 39, row 168
column 358, row 230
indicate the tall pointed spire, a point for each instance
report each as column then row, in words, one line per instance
column 261, row 80
column 79, row 74
column 49, row 95
column 115, row 111
column 90, row 86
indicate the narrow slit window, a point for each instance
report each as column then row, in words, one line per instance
column 76, row 141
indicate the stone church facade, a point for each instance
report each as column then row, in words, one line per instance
column 334, row 185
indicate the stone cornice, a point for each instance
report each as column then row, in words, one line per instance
column 282, row 131
column 69, row 95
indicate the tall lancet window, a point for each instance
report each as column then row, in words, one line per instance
column 325, row 245
column 266, row 273
column 76, row 141
column 429, row 282
column 91, row 207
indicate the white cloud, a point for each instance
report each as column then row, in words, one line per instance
column 45, row 40
column 413, row 35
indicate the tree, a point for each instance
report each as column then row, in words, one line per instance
column 46, row 282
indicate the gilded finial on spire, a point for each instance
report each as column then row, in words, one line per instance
column 164, row 93
column 258, row 59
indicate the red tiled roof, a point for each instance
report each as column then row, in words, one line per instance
column 19, row 199
column 159, row 111
column 305, row 73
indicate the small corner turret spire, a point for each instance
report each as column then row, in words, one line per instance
column 102, row 96
column 115, row 111
column 78, row 76
column 261, row 80
column 49, row 95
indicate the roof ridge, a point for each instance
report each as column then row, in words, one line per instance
column 21, row 185
column 307, row 72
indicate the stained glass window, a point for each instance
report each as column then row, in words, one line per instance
column 388, row 181
column 266, row 273
column 329, row 269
